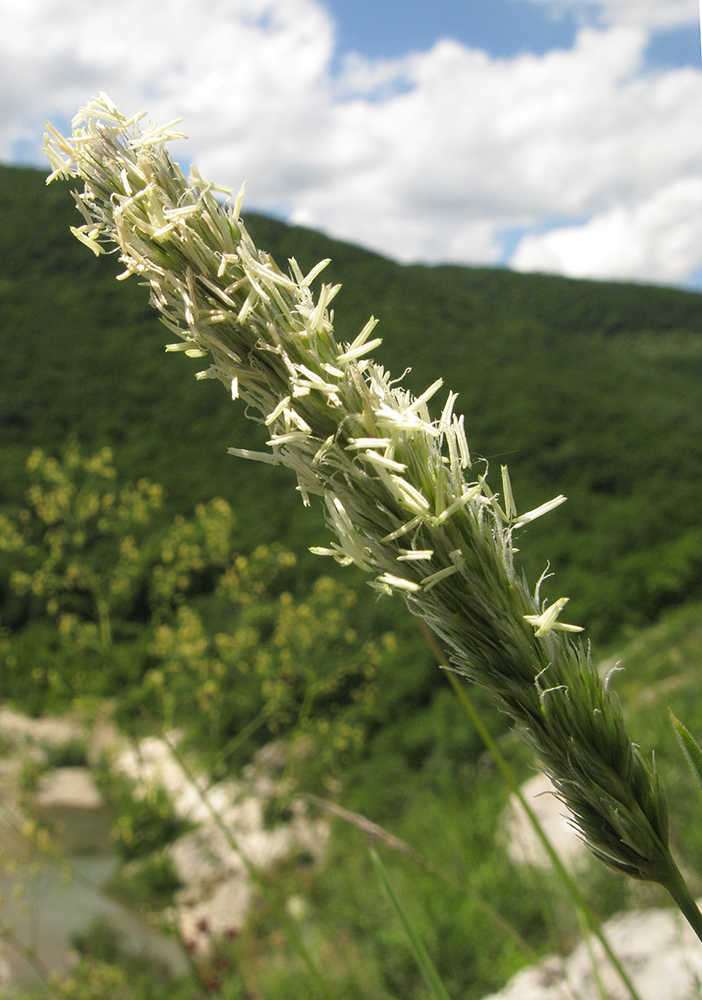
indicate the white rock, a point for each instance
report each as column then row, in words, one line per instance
column 48, row 729
column 522, row 844
column 209, row 860
column 657, row 948
column 224, row 912
column 68, row 787
column 543, row 982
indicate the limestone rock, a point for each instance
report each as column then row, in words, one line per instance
column 657, row 948
column 48, row 730
column 523, row 845
column 217, row 889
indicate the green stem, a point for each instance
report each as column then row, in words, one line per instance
column 582, row 920
column 436, row 988
column 241, row 736
column 395, row 844
column 28, row 953
column 677, row 887
column 103, row 609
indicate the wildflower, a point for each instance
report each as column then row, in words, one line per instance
column 393, row 479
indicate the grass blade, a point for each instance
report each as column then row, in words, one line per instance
column 436, row 988
column 689, row 747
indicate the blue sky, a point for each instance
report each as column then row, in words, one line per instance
column 501, row 27
column 504, row 28
column 549, row 135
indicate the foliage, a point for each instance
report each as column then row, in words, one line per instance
column 107, row 969
column 220, row 643
column 421, row 773
column 145, row 823
column 77, row 557
column 190, row 620
column 148, row 883
column 80, row 561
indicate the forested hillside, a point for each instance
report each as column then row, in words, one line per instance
column 584, row 388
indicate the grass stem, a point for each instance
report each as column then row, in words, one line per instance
column 436, row 988
column 686, row 904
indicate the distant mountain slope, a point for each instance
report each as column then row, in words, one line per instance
column 586, row 388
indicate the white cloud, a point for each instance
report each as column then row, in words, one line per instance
column 656, row 14
column 230, row 65
column 480, row 145
column 429, row 157
column 659, row 239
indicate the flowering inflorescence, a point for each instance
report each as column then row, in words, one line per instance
column 393, row 479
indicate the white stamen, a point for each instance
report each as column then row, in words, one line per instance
column 538, row 511
column 510, row 506
column 274, row 414
column 426, row 395
column 364, row 334
column 456, row 505
column 410, row 496
column 357, row 352
column 323, row 450
column 317, row 269
column 381, row 460
column 278, row 439
column 402, row 530
column 398, row 582
column 369, row 442
column 546, row 621
column 256, row 456
column 430, row 581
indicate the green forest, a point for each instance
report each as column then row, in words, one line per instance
column 142, row 564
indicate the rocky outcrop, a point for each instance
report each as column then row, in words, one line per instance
column 521, row 841
column 230, row 831
column 657, row 948
column 48, row 731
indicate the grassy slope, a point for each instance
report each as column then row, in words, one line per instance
column 591, row 389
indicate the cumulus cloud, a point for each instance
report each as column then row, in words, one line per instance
column 656, row 14
column 435, row 156
column 233, row 67
column 479, row 145
column 656, row 240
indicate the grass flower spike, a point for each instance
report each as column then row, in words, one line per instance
column 396, row 482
